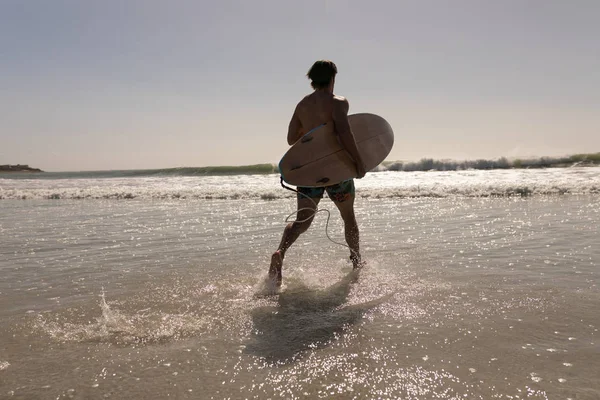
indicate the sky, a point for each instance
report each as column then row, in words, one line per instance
column 132, row 84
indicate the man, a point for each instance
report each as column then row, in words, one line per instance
column 323, row 110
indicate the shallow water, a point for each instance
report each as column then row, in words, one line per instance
column 479, row 298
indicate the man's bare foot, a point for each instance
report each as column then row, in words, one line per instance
column 275, row 268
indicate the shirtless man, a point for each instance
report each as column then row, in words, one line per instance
column 319, row 108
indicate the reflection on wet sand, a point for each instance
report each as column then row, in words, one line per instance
column 305, row 318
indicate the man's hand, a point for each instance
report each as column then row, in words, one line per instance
column 360, row 170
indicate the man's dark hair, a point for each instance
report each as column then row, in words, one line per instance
column 321, row 73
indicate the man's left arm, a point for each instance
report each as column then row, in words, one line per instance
column 295, row 131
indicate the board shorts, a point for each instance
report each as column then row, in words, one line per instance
column 339, row 192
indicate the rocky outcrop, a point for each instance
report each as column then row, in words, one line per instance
column 18, row 168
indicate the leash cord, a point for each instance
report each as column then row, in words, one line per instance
column 314, row 210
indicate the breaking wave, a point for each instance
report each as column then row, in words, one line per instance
column 384, row 184
column 429, row 164
column 425, row 164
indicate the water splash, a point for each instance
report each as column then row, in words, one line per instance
column 119, row 327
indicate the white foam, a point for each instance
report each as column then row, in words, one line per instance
column 387, row 184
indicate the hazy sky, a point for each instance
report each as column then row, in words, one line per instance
column 120, row 84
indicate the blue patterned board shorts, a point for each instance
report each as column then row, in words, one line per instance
column 339, row 192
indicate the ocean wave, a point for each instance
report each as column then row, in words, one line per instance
column 430, row 164
column 256, row 169
column 384, row 185
column 425, row 164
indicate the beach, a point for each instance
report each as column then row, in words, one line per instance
column 478, row 285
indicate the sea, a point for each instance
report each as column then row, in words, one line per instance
column 151, row 284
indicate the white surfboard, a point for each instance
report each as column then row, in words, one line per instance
column 318, row 159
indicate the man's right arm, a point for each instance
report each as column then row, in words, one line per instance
column 344, row 131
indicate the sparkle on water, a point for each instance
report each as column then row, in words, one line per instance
column 479, row 298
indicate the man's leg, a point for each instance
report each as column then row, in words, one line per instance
column 343, row 198
column 304, row 217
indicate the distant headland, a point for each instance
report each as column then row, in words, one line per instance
column 18, row 168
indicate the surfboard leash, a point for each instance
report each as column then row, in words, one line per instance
column 287, row 187
column 314, row 210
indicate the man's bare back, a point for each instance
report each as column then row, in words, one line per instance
column 323, row 107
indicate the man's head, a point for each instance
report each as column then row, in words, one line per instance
column 322, row 74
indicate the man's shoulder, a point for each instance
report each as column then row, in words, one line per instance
column 340, row 104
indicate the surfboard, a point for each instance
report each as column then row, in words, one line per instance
column 318, row 159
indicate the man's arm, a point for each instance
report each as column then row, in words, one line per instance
column 295, row 131
column 344, row 131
